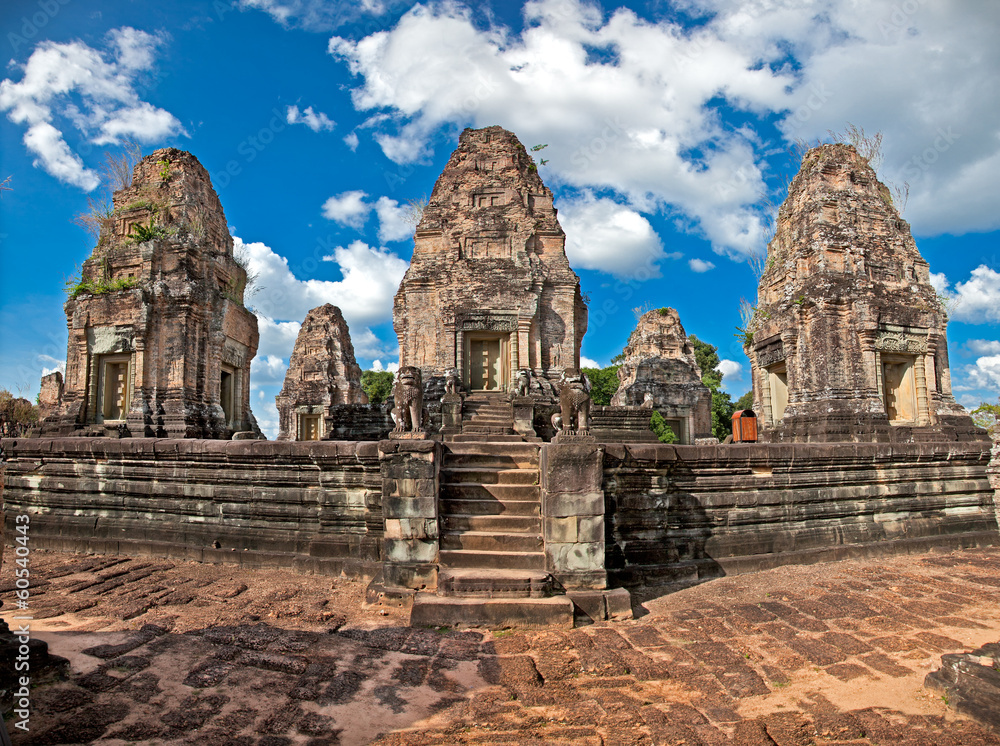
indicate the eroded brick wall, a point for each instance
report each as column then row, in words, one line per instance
column 312, row 506
column 688, row 513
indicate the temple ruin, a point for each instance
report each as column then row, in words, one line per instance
column 488, row 490
column 489, row 291
column 847, row 341
column 659, row 370
column 160, row 341
column 322, row 373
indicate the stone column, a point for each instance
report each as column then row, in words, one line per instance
column 523, row 344
column 573, row 513
column 993, row 470
column 451, row 414
column 409, row 507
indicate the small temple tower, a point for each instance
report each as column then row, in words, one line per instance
column 321, row 373
column 489, row 290
column 160, row 342
column 848, row 338
column 659, row 362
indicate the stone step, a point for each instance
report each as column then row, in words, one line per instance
column 471, row 449
column 452, row 506
column 477, row 475
column 525, row 524
column 494, row 584
column 500, row 493
column 489, row 460
column 461, row 558
column 484, row 438
column 485, row 541
column 526, row 613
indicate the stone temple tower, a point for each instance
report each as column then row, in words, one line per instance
column 322, row 373
column 160, row 342
column 489, row 290
column 848, row 339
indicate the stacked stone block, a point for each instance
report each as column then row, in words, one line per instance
column 573, row 513
column 409, row 507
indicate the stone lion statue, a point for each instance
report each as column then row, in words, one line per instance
column 523, row 383
column 574, row 403
column 408, row 400
column 452, row 381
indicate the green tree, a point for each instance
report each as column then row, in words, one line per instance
column 744, row 402
column 603, row 383
column 17, row 415
column 722, row 405
column 377, row 384
column 661, row 429
column 987, row 416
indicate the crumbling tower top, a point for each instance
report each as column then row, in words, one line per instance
column 848, row 337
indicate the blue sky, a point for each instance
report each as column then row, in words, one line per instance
column 667, row 124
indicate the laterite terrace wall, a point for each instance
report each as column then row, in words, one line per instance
column 314, row 506
column 673, row 513
column 686, row 513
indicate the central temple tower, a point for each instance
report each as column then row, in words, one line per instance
column 489, row 290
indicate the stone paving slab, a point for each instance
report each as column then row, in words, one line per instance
column 180, row 653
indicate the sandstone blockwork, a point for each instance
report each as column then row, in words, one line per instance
column 848, row 339
column 322, row 373
column 489, row 290
column 160, row 341
column 659, row 362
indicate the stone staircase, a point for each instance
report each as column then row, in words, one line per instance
column 487, row 417
column 492, row 559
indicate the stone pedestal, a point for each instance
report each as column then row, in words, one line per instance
column 573, row 512
column 451, row 414
column 524, row 416
column 409, row 507
column 993, row 470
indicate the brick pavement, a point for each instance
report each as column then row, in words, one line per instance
column 167, row 652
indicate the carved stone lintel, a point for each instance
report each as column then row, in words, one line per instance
column 771, row 354
column 566, row 437
column 901, row 342
column 409, row 435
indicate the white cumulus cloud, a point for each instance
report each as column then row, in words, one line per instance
column 983, row 375
column 314, row 120
column 975, row 301
column 604, row 235
column 731, row 370
column 393, row 220
column 983, row 346
column 641, row 107
column 700, row 265
column 348, row 208
column 92, row 91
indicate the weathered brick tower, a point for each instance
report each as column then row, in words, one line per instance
column 848, row 340
column 489, row 290
column 659, row 369
column 322, row 373
column 160, row 342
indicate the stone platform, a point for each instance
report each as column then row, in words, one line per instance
column 186, row 653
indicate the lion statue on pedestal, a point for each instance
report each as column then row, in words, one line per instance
column 408, row 400
column 574, row 403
